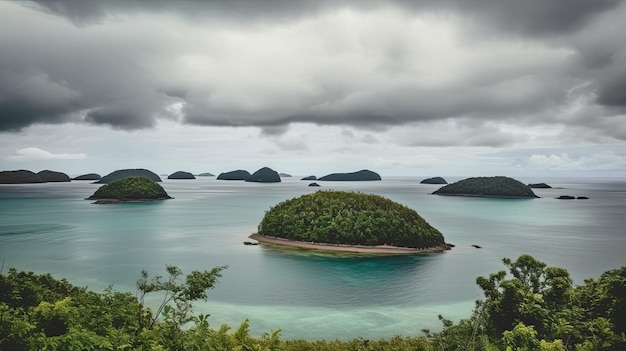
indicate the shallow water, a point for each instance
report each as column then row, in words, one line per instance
column 50, row 228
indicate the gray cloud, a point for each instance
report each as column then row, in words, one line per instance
column 273, row 63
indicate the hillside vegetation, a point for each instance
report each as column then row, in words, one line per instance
column 528, row 307
column 339, row 217
column 488, row 187
column 131, row 188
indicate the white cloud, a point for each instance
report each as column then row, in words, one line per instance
column 34, row 153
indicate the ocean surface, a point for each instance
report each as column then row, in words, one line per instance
column 309, row 295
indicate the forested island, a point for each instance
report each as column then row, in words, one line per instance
column 129, row 189
column 124, row 173
column 488, row 187
column 362, row 175
column 528, row 307
column 348, row 218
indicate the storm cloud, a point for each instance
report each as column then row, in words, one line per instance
column 364, row 64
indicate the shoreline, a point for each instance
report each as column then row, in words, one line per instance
column 361, row 249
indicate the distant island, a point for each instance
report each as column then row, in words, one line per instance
column 362, row 175
column 129, row 189
column 499, row 186
column 88, row 176
column 264, row 175
column 19, row 177
column 234, row 175
column 539, row 186
column 349, row 222
column 52, row 176
column 434, row 180
column 284, row 175
column 311, row 177
column 124, row 173
column 181, row 175
column 206, row 174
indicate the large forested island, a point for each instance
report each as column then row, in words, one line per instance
column 123, row 173
column 346, row 218
column 130, row 189
column 488, row 187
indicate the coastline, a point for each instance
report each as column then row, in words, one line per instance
column 361, row 249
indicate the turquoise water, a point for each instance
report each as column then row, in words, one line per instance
column 50, row 228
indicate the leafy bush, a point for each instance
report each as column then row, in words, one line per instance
column 338, row 217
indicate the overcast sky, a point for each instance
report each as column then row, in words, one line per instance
column 414, row 88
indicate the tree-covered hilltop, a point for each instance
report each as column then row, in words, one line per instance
column 530, row 307
column 488, row 187
column 131, row 189
column 339, row 217
column 123, row 173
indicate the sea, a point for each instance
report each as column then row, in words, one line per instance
column 51, row 228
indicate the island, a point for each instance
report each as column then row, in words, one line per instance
column 206, row 174
column 311, row 177
column 539, row 186
column 434, row 180
column 348, row 222
column 19, row 177
column 124, row 173
column 234, row 175
column 181, row 175
column 88, row 176
column 362, row 175
column 502, row 187
column 284, row 175
column 264, row 175
column 52, row 176
column 129, row 189
column 314, row 184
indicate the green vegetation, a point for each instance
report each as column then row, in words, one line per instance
column 124, row 173
column 131, row 189
column 488, row 187
column 362, row 175
column 532, row 307
column 339, row 217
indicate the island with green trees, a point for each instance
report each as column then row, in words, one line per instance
column 123, row 173
column 499, row 186
column 529, row 306
column 348, row 222
column 129, row 189
column 362, row 175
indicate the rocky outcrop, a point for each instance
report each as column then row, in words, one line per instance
column 181, row 175
column 52, row 176
column 124, row 173
column 362, row 175
column 264, row 175
column 234, row 175
column 488, row 187
column 19, row 177
column 434, row 180
column 539, row 186
column 88, row 176
column 312, row 177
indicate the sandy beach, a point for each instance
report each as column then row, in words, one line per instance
column 379, row 250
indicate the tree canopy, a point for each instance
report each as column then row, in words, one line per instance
column 339, row 217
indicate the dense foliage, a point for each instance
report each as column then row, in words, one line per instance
column 488, row 187
column 339, row 217
column 131, row 188
column 532, row 307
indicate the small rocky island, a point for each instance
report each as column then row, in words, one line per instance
column 311, row 177
column 284, row 175
column 264, row 175
column 539, row 186
column 181, row 175
column 362, row 175
column 124, row 173
column 239, row 174
column 129, row 189
column 503, row 187
column 19, row 177
column 88, row 176
column 348, row 222
column 434, row 180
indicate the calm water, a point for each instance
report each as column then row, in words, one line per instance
column 50, row 228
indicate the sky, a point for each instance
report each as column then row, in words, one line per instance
column 403, row 88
